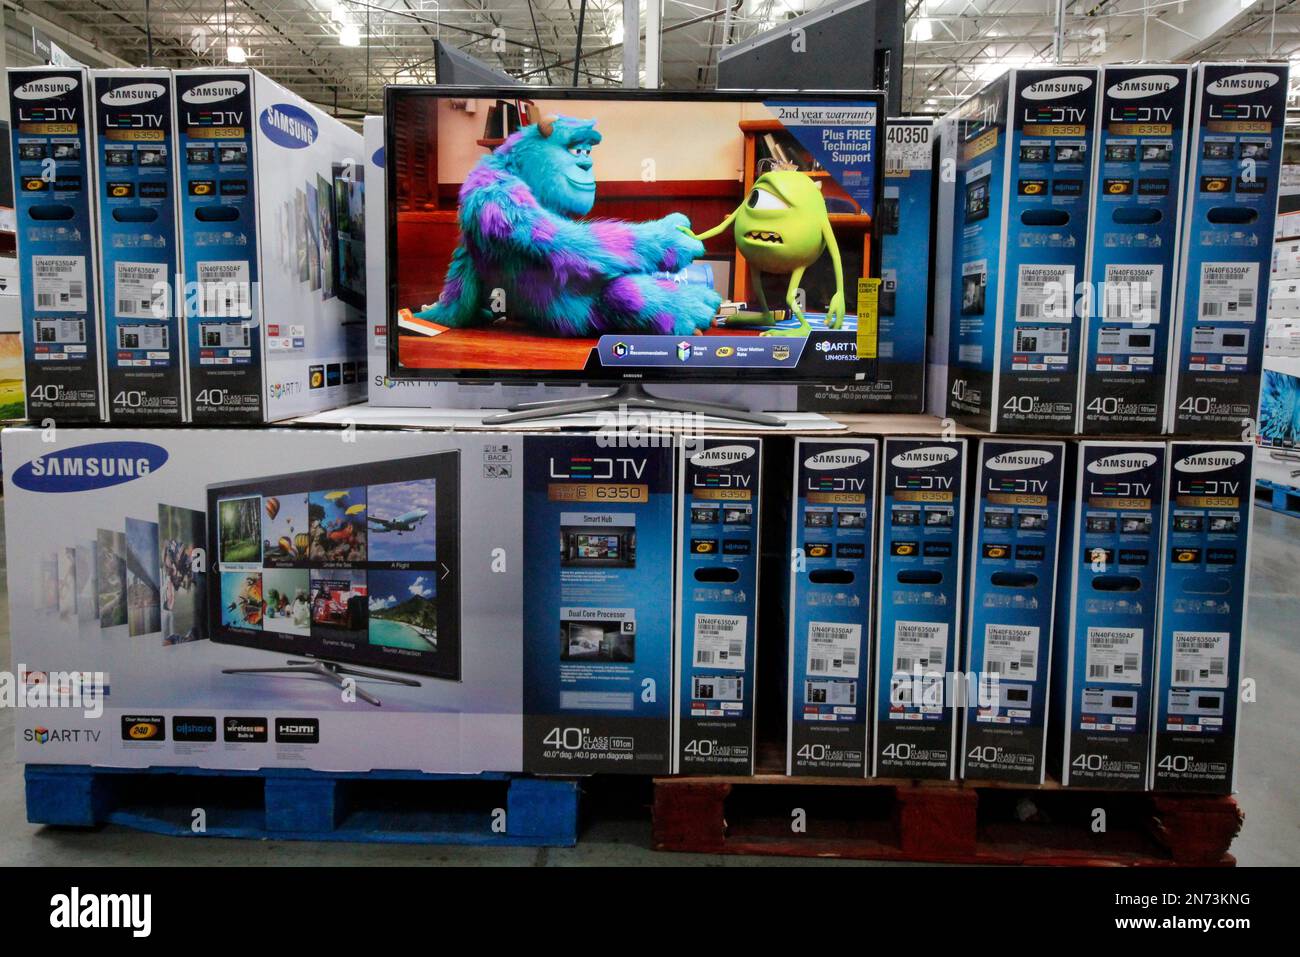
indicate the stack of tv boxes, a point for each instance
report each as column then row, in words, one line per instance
column 191, row 247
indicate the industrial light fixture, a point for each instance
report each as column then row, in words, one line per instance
column 350, row 35
column 235, row 53
column 923, row 30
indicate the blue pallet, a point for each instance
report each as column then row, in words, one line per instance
column 375, row 807
column 1279, row 498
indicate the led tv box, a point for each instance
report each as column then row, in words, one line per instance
column 353, row 587
column 272, row 221
column 587, row 247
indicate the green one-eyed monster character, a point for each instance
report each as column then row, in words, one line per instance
column 782, row 227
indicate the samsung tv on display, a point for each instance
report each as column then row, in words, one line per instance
column 627, row 237
column 356, row 565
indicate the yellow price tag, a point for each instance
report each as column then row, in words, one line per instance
column 868, row 317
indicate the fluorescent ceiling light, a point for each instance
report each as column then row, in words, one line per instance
column 923, row 30
column 235, row 53
column 350, row 35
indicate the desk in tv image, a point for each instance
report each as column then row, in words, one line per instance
column 357, row 564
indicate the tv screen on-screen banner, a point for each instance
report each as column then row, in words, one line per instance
column 608, row 235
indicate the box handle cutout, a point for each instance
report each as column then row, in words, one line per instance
column 717, row 574
column 831, row 576
column 1137, row 216
column 1044, row 217
column 1014, row 579
column 216, row 214
column 135, row 214
column 47, row 212
column 1232, row 215
column 1116, row 583
column 913, row 576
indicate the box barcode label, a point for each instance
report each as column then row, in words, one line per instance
column 1045, row 293
column 59, row 283
column 1132, row 293
column 1115, row 654
column 1227, row 291
column 1200, row 658
column 1011, row 651
column 141, row 290
column 833, row 648
column 720, row 641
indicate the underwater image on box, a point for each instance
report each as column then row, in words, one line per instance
column 356, row 564
column 1279, row 409
column 570, row 237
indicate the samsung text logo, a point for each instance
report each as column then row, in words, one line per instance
column 723, row 455
column 87, row 467
column 133, row 94
column 45, row 89
column 1240, row 83
column 1210, row 461
column 1015, row 461
column 289, row 126
column 923, row 458
column 836, row 459
column 1138, row 87
column 213, row 92
column 1118, row 464
column 1056, row 88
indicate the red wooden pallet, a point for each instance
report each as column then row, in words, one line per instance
column 940, row 821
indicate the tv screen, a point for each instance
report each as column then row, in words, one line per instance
column 356, row 564
column 623, row 235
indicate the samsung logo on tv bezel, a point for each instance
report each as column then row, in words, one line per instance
column 1016, row 461
column 46, row 88
column 1122, row 462
column 132, row 94
column 723, row 455
column 923, row 458
column 1056, row 87
column 1239, row 84
column 1135, row 88
column 1210, row 461
column 214, row 91
column 836, row 459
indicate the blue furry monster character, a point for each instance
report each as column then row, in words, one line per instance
column 563, row 276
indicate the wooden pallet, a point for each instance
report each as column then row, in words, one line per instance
column 388, row 807
column 1279, row 498
column 940, row 821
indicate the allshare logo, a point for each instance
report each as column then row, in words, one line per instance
column 1210, row 461
column 723, row 455
column 46, row 88
column 85, row 467
column 923, row 458
column 1241, row 83
column 1124, row 462
column 1019, row 459
column 836, row 459
column 1056, row 87
column 1141, row 86
column 213, row 92
column 132, row 94
column 289, row 126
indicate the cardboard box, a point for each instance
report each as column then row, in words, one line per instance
column 1204, row 587
column 832, row 536
column 598, row 625
column 1133, row 247
column 946, row 213
column 1110, row 577
column 139, row 253
column 922, row 554
column 1231, row 207
column 1011, row 609
column 716, row 644
column 273, row 250
column 54, row 193
column 1025, row 160
column 267, row 598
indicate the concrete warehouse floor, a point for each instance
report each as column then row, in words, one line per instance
column 1269, row 773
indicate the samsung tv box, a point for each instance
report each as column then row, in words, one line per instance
column 1024, row 168
column 272, row 224
column 1239, row 113
column 55, row 221
column 1133, row 247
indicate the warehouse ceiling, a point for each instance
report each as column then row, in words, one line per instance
column 340, row 53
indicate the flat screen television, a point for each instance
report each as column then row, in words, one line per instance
column 561, row 252
column 358, row 564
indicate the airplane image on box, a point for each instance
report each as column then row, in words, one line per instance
column 406, row 522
